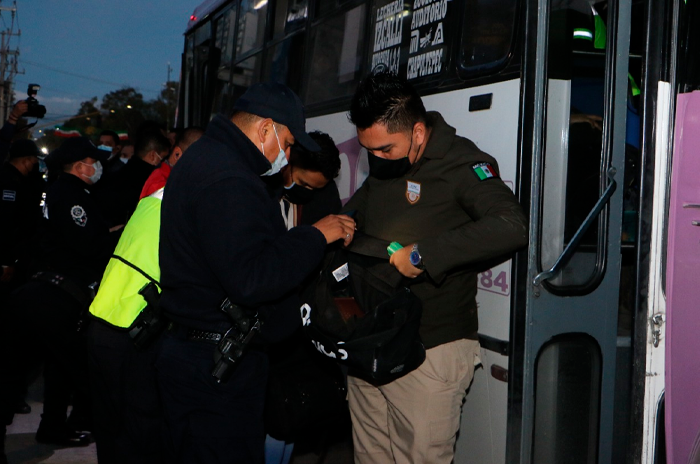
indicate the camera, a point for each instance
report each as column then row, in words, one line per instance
column 34, row 110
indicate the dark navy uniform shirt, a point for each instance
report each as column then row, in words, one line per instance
column 19, row 213
column 76, row 241
column 222, row 235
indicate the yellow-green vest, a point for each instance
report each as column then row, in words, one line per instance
column 118, row 301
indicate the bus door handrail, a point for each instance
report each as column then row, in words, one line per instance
column 568, row 252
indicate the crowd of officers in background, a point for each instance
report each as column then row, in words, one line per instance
column 61, row 217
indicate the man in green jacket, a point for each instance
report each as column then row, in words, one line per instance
column 442, row 198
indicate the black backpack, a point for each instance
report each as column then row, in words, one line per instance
column 363, row 314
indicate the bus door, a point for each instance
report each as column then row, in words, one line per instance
column 683, row 326
column 565, row 336
column 682, row 378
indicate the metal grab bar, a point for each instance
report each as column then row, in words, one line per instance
column 578, row 236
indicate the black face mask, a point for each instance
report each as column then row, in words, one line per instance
column 383, row 169
column 298, row 195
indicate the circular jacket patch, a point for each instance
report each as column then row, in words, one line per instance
column 79, row 215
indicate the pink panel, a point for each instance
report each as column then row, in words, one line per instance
column 683, row 285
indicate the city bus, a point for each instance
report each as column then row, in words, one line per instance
column 589, row 336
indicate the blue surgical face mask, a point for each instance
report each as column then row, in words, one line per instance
column 97, row 174
column 105, row 148
column 280, row 161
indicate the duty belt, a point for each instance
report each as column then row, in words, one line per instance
column 192, row 334
column 202, row 335
column 66, row 285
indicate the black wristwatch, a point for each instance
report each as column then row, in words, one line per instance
column 415, row 258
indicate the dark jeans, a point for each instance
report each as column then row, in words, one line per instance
column 125, row 400
column 209, row 422
column 39, row 325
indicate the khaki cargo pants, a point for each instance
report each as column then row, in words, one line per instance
column 415, row 418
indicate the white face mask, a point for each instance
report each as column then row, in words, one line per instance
column 124, row 160
column 280, row 161
column 97, row 174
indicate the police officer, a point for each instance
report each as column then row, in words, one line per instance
column 19, row 207
column 126, row 404
column 20, row 212
column 43, row 314
column 222, row 236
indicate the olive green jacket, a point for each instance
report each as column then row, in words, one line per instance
column 453, row 204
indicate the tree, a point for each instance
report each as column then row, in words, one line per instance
column 162, row 109
column 123, row 109
column 88, row 116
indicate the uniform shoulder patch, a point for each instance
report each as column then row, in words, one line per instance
column 484, row 171
column 79, row 215
column 9, row 195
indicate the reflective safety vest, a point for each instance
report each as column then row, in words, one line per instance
column 118, row 301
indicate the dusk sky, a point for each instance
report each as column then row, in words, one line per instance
column 79, row 49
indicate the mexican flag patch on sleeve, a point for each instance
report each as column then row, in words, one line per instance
column 484, row 171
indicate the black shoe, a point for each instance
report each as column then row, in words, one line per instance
column 62, row 437
column 78, row 423
column 22, row 408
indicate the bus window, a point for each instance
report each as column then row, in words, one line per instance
column 574, row 174
column 251, row 26
column 188, row 78
column 488, row 39
column 224, row 27
column 282, row 62
column 290, row 15
column 323, row 7
column 412, row 39
column 245, row 74
column 202, row 33
column 336, row 56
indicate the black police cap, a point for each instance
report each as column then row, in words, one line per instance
column 24, row 147
column 279, row 103
column 76, row 149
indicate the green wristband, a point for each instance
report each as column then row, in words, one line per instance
column 393, row 247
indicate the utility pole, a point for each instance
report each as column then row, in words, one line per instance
column 8, row 63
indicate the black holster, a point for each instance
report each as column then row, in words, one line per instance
column 232, row 345
column 151, row 322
